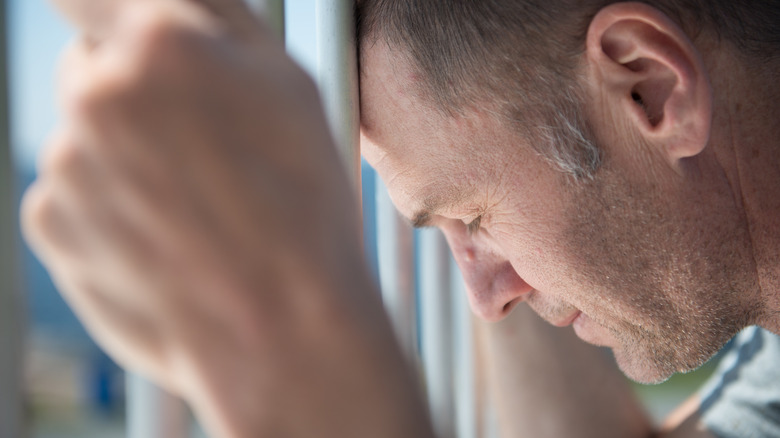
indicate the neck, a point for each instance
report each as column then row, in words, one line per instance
column 746, row 122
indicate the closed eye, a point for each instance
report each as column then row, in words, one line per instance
column 473, row 227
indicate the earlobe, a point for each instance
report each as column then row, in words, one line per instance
column 649, row 73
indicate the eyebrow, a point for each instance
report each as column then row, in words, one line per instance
column 422, row 219
column 431, row 206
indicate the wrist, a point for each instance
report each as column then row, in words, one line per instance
column 329, row 366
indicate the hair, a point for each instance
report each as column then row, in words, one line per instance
column 523, row 57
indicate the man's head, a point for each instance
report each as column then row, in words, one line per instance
column 524, row 56
column 578, row 136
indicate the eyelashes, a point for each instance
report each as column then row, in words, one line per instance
column 473, row 226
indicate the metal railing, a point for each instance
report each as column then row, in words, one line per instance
column 436, row 330
column 11, row 300
column 429, row 314
column 152, row 412
column 395, row 254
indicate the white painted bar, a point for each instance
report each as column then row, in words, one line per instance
column 12, row 308
column 490, row 424
column 436, row 330
column 464, row 362
column 395, row 248
column 153, row 413
column 337, row 77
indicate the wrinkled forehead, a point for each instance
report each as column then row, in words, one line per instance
column 400, row 134
column 412, row 146
column 418, row 151
column 396, row 122
column 391, row 114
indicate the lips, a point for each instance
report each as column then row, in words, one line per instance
column 592, row 332
column 568, row 320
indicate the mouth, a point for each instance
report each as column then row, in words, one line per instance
column 569, row 320
column 593, row 332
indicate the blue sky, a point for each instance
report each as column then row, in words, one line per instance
column 38, row 35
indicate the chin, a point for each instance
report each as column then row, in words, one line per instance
column 646, row 373
column 652, row 366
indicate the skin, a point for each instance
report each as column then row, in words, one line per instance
column 200, row 233
column 652, row 253
column 182, row 234
column 676, row 260
column 539, row 390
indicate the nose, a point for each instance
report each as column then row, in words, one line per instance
column 492, row 284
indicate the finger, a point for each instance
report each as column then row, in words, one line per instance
column 130, row 336
column 101, row 154
column 94, row 200
column 51, row 217
column 100, row 19
column 93, row 18
column 48, row 229
column 75, row 75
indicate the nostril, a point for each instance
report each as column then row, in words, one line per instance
column 509, row 306
column 492, row 311
column 493, row 286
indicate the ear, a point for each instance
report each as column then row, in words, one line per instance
column 651, row 75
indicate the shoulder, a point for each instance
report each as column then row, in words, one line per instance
column 743, row 396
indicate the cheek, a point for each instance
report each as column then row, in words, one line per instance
column 538, row 261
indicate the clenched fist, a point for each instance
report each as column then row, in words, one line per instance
column 192, row 210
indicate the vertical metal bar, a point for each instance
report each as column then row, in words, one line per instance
column 337, row 76
column 436, row 330
column 11, row 300
column 490, row 424
column 486, row 420
column 395, row 247
column 153, row 413
column 464, row 362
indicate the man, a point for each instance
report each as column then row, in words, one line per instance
column 612, row 165
column 641, row 234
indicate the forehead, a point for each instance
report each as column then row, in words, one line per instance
column 392, row 115
column 422, row 155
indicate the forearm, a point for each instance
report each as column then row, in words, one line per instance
column 545, row 382
column 333, row 372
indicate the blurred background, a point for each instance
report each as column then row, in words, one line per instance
column 72, row 388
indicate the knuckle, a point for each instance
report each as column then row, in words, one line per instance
column 93, row 101
column 159, row 51
column 60, row 157
column 163, row 43
column 38, row 214
column 88, row 88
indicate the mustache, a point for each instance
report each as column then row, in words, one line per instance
column 548, row 310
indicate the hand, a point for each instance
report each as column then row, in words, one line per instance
column 192, row 210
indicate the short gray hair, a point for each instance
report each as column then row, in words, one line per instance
column 469, row 50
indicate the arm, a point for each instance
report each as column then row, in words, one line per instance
column 546, row 382
column 192, row 210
